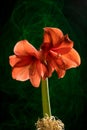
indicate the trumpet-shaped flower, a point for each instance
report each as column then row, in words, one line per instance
column 57, row 51
column 26, row 63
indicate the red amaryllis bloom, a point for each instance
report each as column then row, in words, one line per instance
column 57, row 51
column 26, row 63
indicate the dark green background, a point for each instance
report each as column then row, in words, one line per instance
column 20, row 102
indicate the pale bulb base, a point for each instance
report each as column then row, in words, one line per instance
column 49, row 123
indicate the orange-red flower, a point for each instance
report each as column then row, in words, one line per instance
column 26, row 63
column 57, row 51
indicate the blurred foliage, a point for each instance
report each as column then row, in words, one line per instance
column 20, row 102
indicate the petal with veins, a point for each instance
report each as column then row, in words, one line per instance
column 64, row 47
column 24, row 48
column 54, row 36
column 19, row 61
column 20, row 73
column 60, row 72
column 71, row 59
column 34, row 75
column 13, row 60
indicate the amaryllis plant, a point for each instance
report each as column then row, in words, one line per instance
column 56, row 53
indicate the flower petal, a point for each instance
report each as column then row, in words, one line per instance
column 24, row 48
column 56, row 63
column 64, row 47
column 16, row 61
column 60, row 72
column 52, row 36
column 56, row 60
column 71, row 59
column 34, row 75
column 50, row 65
column 13, row 60
column 42, row 70
column 20, row 73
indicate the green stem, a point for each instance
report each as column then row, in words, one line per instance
column 45, row 97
